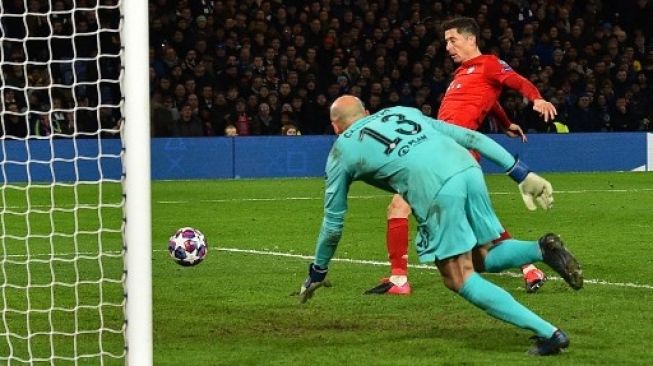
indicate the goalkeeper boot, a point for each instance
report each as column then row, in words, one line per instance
column 388, row 287
column 533, row 280
column 561, row 260
column 550, row 346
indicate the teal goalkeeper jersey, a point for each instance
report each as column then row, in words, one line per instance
column 401, row 151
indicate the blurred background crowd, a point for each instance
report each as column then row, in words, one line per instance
column 270, row 67
column 60, row 62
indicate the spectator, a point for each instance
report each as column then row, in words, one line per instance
column 285, row 93
column 317, row 120
column 623, row 118
column 252, row 104
column 13, row 122
column 290, row 130
column 163, row 120
column 230, row 131
column 188, row 125
column 603, row 113
column 303, row 50
column 194, row 104
column 207, row 99
column 179, row 94
column 217, row 112
column 43, row 125
column 86, row 120
column 581, row 117
column 241, row 118
column 264, row 123
column 109, row 122
column 60, row 117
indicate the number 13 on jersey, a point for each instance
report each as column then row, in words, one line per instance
column 405, row 127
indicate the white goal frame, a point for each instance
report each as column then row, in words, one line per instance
column 136, row 143
column 93, row 256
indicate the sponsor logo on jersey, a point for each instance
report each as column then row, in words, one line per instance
column 504, row 66
column 471, row 69
column 410, row 144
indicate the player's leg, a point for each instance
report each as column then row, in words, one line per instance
column 397, row 245
column 534, row 278
column 549, row 249
column 464, row 219
column 512, row 253
column 459, row 276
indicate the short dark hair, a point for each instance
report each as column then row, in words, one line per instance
column 462, row 25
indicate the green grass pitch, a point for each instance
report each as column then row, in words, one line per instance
column 235, row 307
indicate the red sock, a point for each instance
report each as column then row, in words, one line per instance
column 397, row 241
column 504, row 236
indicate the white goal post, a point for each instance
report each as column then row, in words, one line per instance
column 137, row 183
column 75, row 201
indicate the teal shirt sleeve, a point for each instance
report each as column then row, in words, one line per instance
column 476, row 141
column 338, row 180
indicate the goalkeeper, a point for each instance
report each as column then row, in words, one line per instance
column 393, row 149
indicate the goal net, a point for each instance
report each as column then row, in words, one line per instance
column 64, row 194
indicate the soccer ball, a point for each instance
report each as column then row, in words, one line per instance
column 187, row 246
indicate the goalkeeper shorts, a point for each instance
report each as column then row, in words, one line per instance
column 461, row 217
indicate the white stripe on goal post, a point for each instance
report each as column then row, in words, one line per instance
column 136, row 142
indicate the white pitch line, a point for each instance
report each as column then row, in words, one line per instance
column 344, row 260
column 278, row 199
column 271, row 199
column 420, row 266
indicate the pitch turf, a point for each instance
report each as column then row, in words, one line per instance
column 235, row 308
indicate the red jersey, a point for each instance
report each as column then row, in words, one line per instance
column 475, row 89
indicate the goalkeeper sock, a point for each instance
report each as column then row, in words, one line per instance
column 512, row 253
column 500, row 304
column 397, row 242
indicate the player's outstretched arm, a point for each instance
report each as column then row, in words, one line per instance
column 533, row 188
column 546, row 109
column 508, row 77
column 473, row 140
column 338, row 181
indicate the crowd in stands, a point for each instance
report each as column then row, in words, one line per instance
column 270, row 67
column 60, row 68
column 264, row 67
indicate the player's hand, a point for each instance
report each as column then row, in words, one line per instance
column 532, row 187
column 316, row 279
column 515, row 131
column 546, row 109
column 536, row 189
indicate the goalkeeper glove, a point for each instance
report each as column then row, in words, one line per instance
column 316, row 279
column 532, row 187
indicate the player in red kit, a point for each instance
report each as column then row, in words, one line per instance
column 472, row 95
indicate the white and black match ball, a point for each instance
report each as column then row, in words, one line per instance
column 187, row 246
